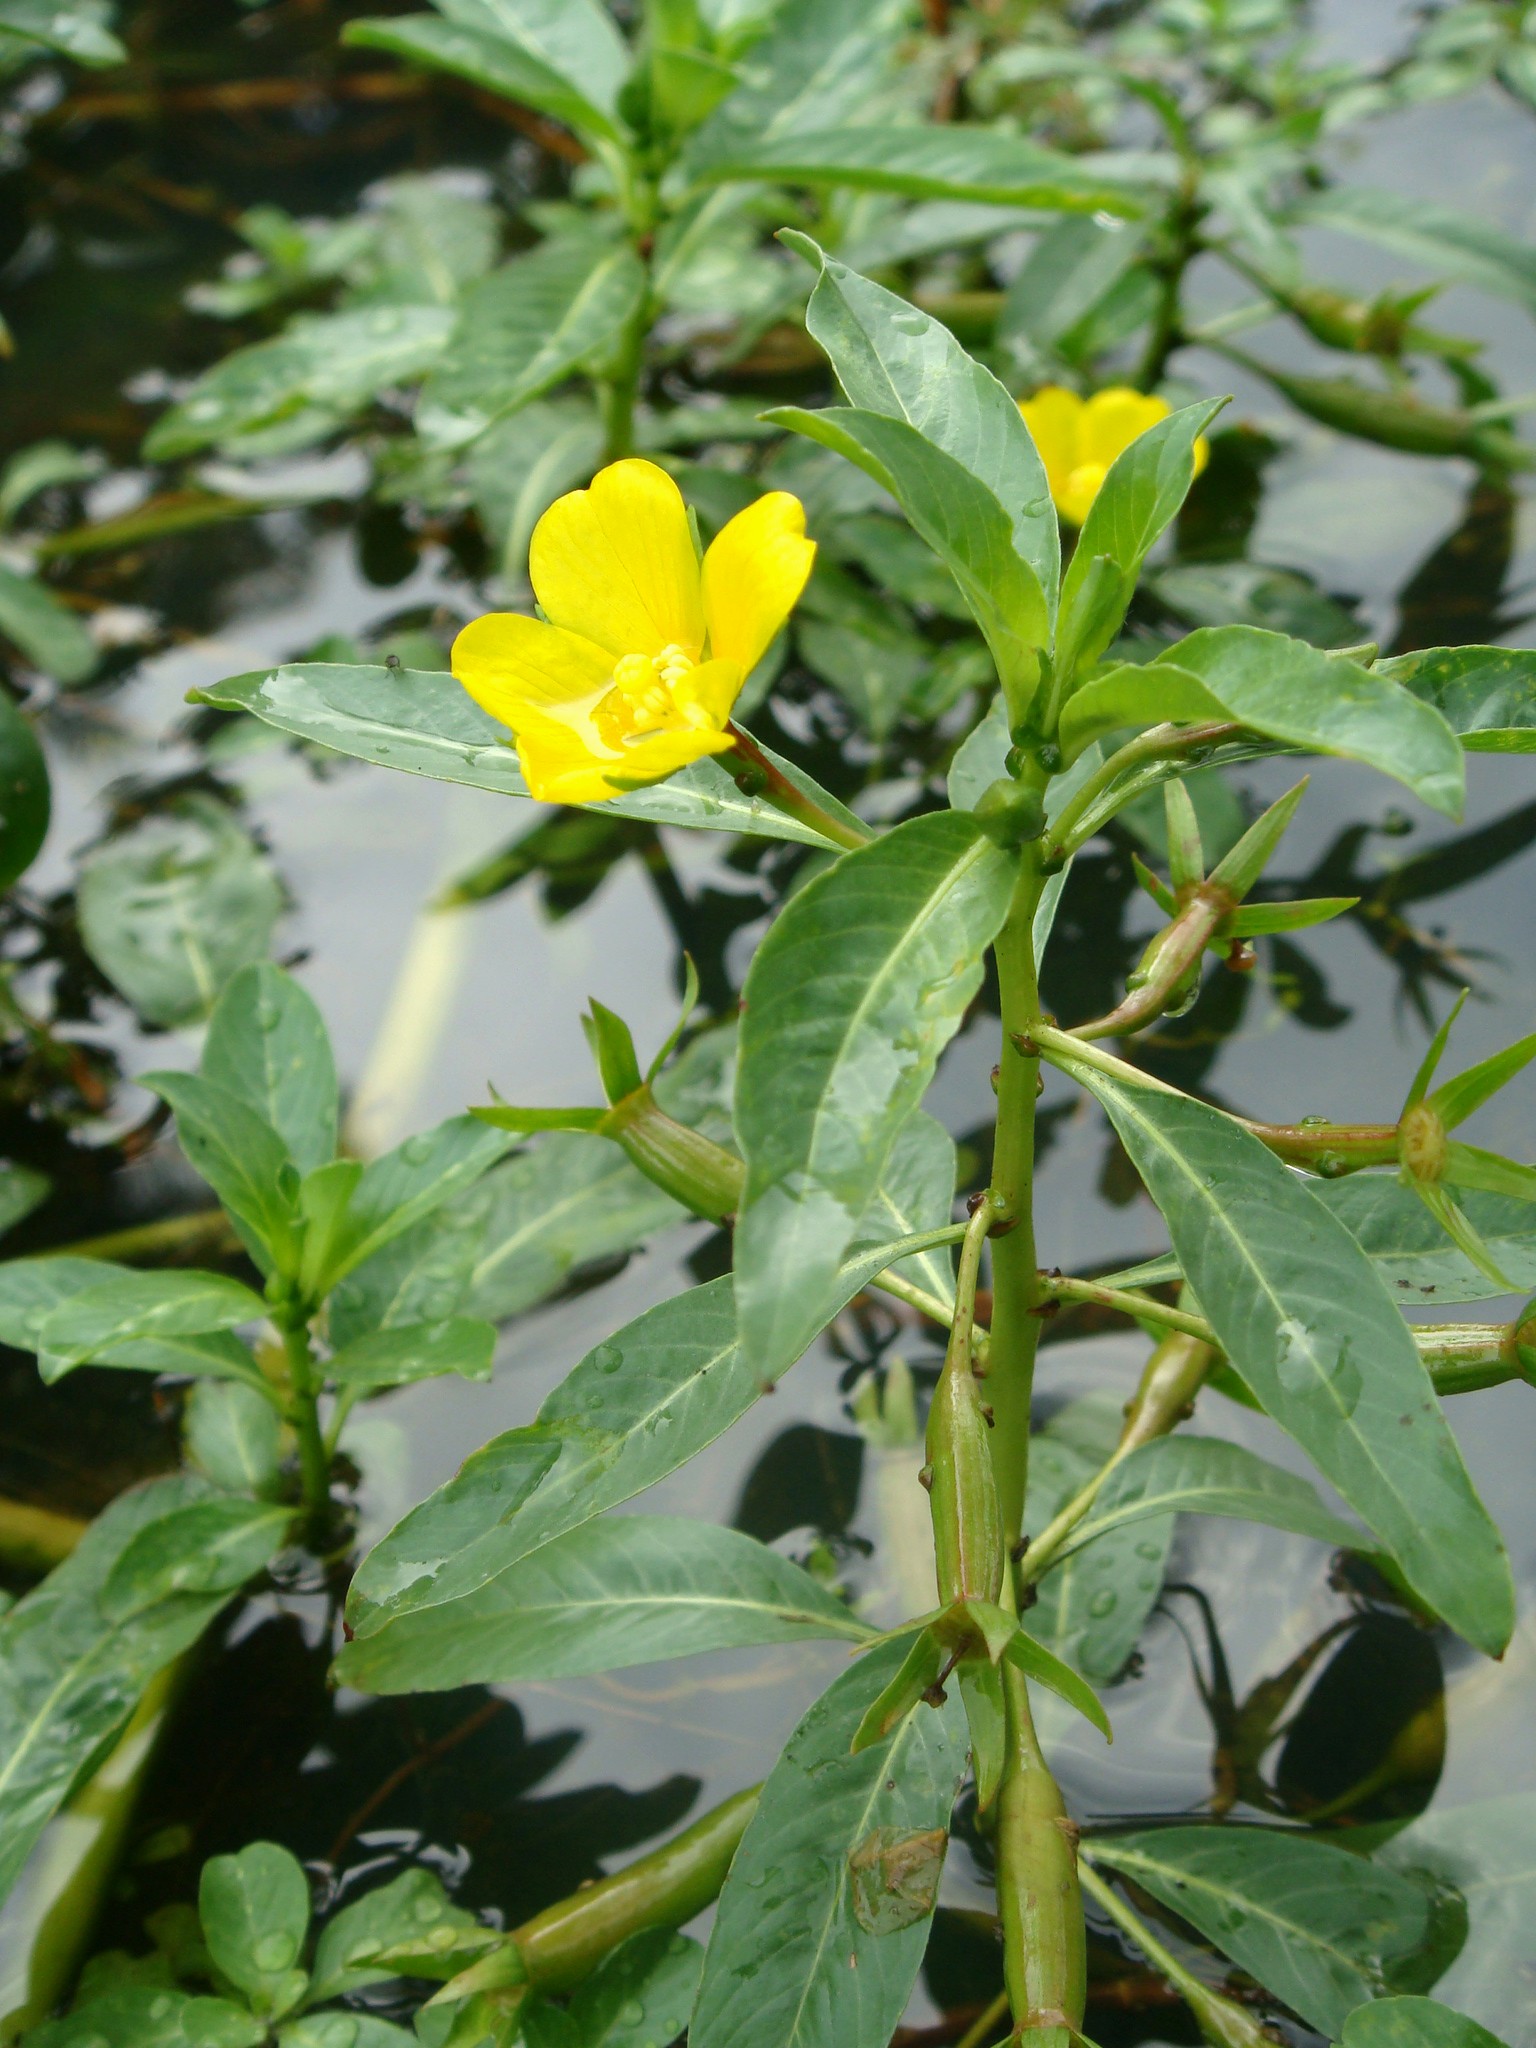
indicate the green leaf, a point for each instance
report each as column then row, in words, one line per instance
column 242, row 1159
column 424, row 723
column 564, row 57
column 70, row 1678
column 401, row 1187
column 1454, row 1101
column 1194, row 1475
column 1448, row 242
column 831, row 1892
column 234, row 1435
column 209, row 1546
column 523, row 330
column 1139, row 498
column 1413, row 1254
column 151, row 2016
column 1312, row 1330
column 255, row 1913
column 1482, row 1852
column 641, row 1992
column 410, row 1910
column 21, row 1191
column 820, row 60
column 1486, row 695
column 932, row 162
column 75, row 32
column 629, row 1589
column 1414, row 2023
column 415, row 1351
column 42, row 467
column 421, row 1276
column 1287, row 691
column 307, row 380
column 1094, row 1602
column 958, row 516
column 171, row 909
column 565, row 1203
column 1315, row 1925
column 855, row 992
column 893, row 359
column 25, row 798
column 916, row 1194
column 47, row 632
column 127, row 1305
column 267, row 1044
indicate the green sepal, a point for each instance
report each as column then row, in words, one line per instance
column 1421, row 1080
column 971, row 1624
column 613, row 1047
column 693, row 1169
column 1459, row 1229
column 507, row 1117
column 1158, row 890
column 1238, row 870
column 1047, row 1669
column 499, row 1969
column 1469, row 1166
column 1258, row 920
column 919, row 1671
column 1186, row 855
column 690, row 1002
column 1454, row 1101
column 981, row 1694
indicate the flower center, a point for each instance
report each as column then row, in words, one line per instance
column 649, row 694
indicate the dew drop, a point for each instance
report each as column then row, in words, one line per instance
column 632, row 2012
column 607, row 1358
column 1103, row 1603
column 416, row 1151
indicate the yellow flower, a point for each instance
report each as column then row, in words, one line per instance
column 1079, row 438
column 646, row 647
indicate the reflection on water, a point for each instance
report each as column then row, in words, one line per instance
column 1258, row 1685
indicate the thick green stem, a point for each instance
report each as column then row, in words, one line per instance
column 567, row 1941
column 1015, row 1282
column 620, row 388
column 1103, row 792
column 304, row 1414
column 1038, row 1899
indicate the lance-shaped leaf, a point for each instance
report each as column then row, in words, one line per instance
column 1315, row 1925
column 892, row 358
column 523, row 330
column 208, row 1546
column 422, row 721
column 857, row 989
column 1414, row 2023
column 242, row 1159
column 1454, row 1101
column 1311, row 1329
column 1486, row 695
column 70, row 1677
column 416, row 1351
column 1287, row 691
column 268, row 1045
column 629, row 1589
column 399, row 1188
column 1147, row 483
column 1447, row 241
column 958, row 516
column 950, row 162
column 1193, row 1475
column 1412, row 1253
column 126, row 1306
column 564, row 57
column 824, row 1917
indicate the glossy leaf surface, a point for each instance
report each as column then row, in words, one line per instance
column 268, row 1045
column 1486, row 695
column 1195, row 1475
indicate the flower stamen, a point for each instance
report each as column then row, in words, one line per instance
column 649, row 695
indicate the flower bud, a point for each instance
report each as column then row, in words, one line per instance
column 1011, row 812
column 695, row 1171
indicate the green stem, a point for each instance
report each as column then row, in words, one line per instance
column 619, row 389
column 567, row 1941
column 1221, row 2021
column 985, row 2024
column 1062, row 1287
column 767, row 779
column 1038, row 1900
column 304, row 1414
column 1015, row 1282
column 202, row 1228
column 1085, row 813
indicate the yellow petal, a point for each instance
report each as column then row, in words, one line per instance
column 1054, row 417
column 1113, row 419
column 616, row 565
column 754, row 571
column 519, row 669
column 558, row 771
column 709, row 691
column 1202, row 453
column 1080, row 490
